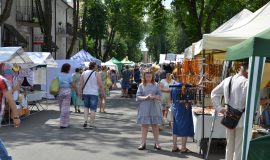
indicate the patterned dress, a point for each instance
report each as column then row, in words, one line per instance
column 182, row 113
column 149, row 111
column 76, row 100
column 104, row 80
column 64, row 98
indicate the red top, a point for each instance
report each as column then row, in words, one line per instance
column 4, row 86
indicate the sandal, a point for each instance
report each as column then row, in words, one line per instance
column 186, row 151
column 176, row 150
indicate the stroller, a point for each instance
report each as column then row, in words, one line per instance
column 133, row 87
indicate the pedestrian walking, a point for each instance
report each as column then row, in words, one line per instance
column 126, row 76
column 234, row 90
column 76, row 99
column 6, row 95
column 114, row 79
column 149, row 111
column 66, row 83
column 102, row 99
column 165, row 94
column 90, row 85
column 137, row 75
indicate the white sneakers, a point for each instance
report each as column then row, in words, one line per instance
column 92, row 123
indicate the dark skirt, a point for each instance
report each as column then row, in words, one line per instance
column 182, row 120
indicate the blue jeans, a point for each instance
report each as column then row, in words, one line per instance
column 3, row 152
column 91, row 102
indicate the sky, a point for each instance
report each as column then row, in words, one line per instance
column 167, row 4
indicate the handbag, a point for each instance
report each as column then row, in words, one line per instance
column 232, row 115
column 54, row 86
column 86, row 82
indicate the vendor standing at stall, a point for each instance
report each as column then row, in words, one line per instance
column 16, row 83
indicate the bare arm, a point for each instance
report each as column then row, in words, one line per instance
column 100, row 84
column 140, row 96
column 162, row 89
column 11, row 102
column 73, row 84
column 81, row 84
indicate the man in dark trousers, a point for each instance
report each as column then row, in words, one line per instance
column 126, row 76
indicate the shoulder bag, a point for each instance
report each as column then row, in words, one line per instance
column 86, row 82
column 232, row 115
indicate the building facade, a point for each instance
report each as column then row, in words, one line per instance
column 22, row 27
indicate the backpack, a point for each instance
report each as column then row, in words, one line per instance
column 54, row 86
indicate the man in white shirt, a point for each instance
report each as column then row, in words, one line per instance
column 236, row 99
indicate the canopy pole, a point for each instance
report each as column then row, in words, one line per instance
column 256, row 66
column 203, row 105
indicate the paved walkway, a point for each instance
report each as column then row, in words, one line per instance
column 115, row 138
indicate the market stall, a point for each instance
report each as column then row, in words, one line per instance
column 84, row 56
column 125, row 61
column 115, row 62
column 170, row 58
column 196, row 48
column 219, row 131
column 11, row 57
column 54, row 71
column 256, row 48
column 39, row 74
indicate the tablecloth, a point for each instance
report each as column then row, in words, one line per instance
column 219, row 129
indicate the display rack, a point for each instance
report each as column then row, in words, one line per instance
column 204, row 74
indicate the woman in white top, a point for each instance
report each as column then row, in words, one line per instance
column 165, row 93
column 90, row 84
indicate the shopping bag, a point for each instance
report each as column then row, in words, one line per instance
column 54, row 86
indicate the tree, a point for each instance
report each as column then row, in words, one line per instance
column 6, row 12
column 84, row 37
column 45, row 22
column 96, row 22
column 76, row 8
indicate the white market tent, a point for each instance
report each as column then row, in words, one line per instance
column 53, row 71
column 42, row 58
column 248, row 27
column 111, row 65
column 84, row 56
column 163, row 59
column 13, row 55
column 197, row 47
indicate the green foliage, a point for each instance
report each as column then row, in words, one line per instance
column 120, row 24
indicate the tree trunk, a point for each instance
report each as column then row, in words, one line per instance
column 45, row 23
column 109, row 46
column 75, row 27
column 99, row 46
column 6, row 12
column 48, row 25
column 84, row 25
column 96, row 47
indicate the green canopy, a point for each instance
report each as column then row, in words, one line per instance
column 115, row 61
column 258, row 45
column 126, row 61
column 259, row 148
column 256, row 48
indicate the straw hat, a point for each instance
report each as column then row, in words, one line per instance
column 16, row 68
